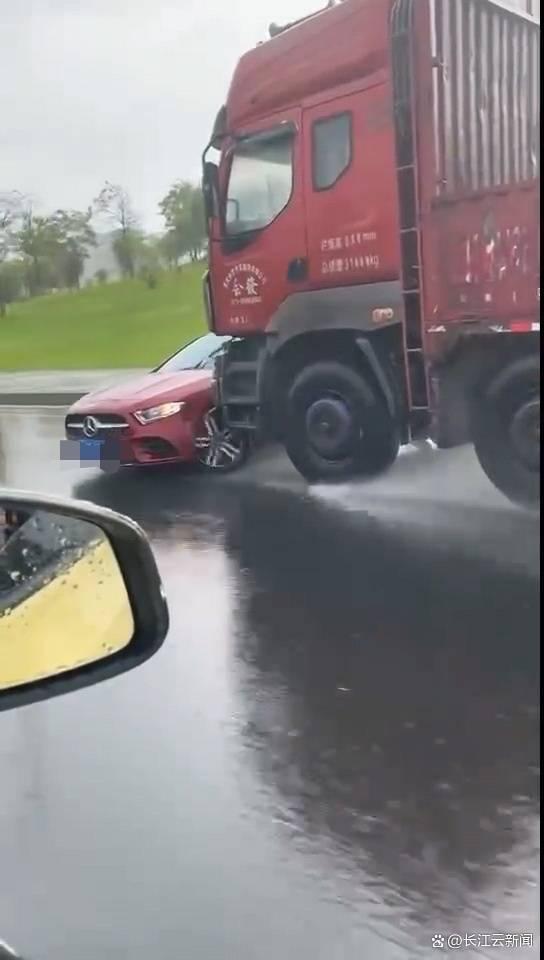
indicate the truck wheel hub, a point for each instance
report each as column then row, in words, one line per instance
column 525, row 433
column 329, row 425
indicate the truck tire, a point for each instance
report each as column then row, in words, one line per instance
column 338, row 425
column 506, row 431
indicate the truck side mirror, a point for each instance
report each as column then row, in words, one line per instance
column 210, row 188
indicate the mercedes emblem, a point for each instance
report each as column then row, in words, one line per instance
column 90, row 427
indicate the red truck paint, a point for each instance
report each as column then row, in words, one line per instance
column 423, row 253
column 354, row 242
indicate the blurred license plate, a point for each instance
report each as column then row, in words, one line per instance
column 90, row 449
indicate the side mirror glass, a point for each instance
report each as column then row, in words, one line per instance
column 80, row 597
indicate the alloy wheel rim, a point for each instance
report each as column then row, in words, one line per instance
column 217, row 447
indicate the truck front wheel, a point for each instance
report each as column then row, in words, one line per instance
column 338, row 425
column 506, row 431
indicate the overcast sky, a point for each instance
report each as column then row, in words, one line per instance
column 124, row 90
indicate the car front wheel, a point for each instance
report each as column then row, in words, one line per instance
column 220, row 449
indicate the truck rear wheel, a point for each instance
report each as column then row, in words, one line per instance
column 506, row 431
column 338, row 425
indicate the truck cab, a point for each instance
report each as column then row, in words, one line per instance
column 373, row 227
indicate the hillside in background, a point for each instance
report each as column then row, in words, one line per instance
column 123, row 324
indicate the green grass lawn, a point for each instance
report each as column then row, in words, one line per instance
column 115, row 325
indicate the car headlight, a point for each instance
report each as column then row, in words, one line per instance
column 150, row 414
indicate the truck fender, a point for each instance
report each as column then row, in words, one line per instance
column 527, row 364
column 369, row 352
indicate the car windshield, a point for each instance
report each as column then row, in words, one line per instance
column 195, row 356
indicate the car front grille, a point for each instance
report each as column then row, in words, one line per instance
column 94, row 425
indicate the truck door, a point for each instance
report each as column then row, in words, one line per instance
column 351, row 189
column 260, row 255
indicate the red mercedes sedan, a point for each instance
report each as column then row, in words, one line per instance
column 165, row 416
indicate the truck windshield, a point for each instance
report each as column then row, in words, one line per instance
column 260, row 183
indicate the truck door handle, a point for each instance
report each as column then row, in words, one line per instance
column 297, row 270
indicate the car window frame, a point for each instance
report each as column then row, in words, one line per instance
column 189, row 343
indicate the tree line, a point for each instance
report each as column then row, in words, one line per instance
column 44, row 252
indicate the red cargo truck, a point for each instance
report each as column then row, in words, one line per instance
column 374, row 237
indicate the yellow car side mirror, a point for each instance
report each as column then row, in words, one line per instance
column 81, row 599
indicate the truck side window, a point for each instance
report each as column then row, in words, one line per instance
column 260, row 182
column 332, row 149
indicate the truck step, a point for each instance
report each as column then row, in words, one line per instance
column 241, row 416
column 246, row 400
column 245, row 366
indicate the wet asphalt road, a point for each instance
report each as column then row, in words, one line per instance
column 334, row 755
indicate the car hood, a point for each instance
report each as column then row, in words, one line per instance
column 146, row 391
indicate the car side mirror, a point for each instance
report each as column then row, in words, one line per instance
column 6, row 953
column 81, row 599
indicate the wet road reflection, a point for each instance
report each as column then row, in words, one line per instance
column 335, row 755
column 391, row 700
